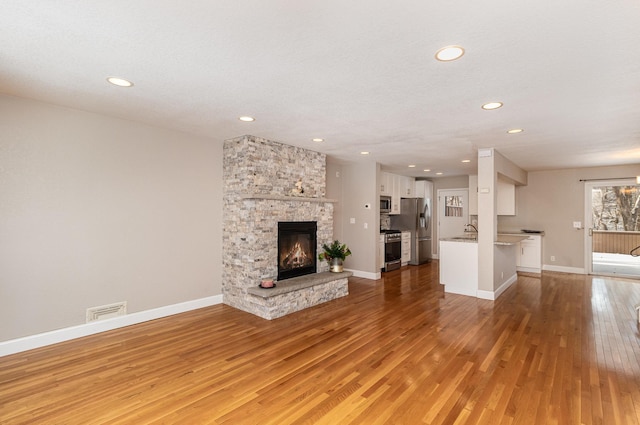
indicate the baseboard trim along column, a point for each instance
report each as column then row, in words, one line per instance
column 60, row 335
column 493, row 295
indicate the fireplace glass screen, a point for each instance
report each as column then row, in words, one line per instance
column 296, row 248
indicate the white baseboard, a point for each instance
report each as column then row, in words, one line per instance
column 459, row 291
column 529, row 270
column 513, row 279
column 59, row 335
column 366, row 275
column 493, row 295
column 562, row 269
column 485, row 295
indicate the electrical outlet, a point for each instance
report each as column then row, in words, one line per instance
column 553, row 258
column 352, row 220
column 577, row 225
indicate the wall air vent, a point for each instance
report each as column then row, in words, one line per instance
column 106, row 311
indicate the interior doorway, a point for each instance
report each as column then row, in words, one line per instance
column 453, row 212
column 612, row 244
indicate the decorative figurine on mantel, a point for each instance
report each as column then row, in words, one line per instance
column 298, row 190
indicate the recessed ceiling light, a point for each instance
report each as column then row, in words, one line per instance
column 449, row 53
column 317, row 139
column 515, row 131
column 466, row 160
column 412, row 166
column 364, row 153
column 426, row 170
column 492, row 105
column 246, row 119
column 438, row 174
column 120, row 82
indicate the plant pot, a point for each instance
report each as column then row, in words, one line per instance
column 336, row 265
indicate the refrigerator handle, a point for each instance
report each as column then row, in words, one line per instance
column 426, row 216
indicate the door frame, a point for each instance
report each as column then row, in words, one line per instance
column 436, row 210
column 588, row 216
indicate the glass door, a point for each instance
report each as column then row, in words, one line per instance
column 613, row 222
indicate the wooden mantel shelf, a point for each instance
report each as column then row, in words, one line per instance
column 286, row 198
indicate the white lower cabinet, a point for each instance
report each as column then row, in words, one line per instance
column 529, row 257
column 406, row 247
column 459, row 267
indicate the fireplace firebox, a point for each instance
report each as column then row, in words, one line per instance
column 296, row 248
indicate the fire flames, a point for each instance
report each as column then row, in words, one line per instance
column 296, row 257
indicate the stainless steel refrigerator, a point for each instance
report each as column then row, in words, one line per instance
column 415, row 215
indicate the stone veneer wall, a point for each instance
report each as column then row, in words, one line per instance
column 255, row 167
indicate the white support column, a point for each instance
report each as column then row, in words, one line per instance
column 487, row 218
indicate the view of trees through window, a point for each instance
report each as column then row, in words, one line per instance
column 616, row 208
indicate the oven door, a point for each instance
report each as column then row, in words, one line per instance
column 392, row 255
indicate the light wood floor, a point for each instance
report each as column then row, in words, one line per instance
column 561, row 349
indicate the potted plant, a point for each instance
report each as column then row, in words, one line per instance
column 335, row 255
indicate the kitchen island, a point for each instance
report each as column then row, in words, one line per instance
column 459, row 264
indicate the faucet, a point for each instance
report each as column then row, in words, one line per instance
column 466, row 228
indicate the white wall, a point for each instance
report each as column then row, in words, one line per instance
column 96, row 210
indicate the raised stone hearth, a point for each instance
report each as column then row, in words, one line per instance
column 266, row 182
column 298, row 293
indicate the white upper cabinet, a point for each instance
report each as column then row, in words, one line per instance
column 397, row 187
column 407, row 187
column 395, row 195
column 506, row 196
column 423, row 189
column 386, row 184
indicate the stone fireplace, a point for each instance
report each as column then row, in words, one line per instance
column 266, row 183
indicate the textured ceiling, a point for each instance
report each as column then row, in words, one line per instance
column 360, row 74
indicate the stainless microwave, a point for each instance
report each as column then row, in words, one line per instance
column 385, row 204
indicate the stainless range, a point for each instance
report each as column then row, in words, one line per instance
column 392, row 249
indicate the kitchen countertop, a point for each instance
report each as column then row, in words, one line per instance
column 520, row 232
column 503, row 239
column 464, row 238
column 509, row 239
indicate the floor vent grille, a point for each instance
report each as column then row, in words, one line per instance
column 106, row 311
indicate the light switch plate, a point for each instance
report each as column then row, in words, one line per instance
column 577, row 225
